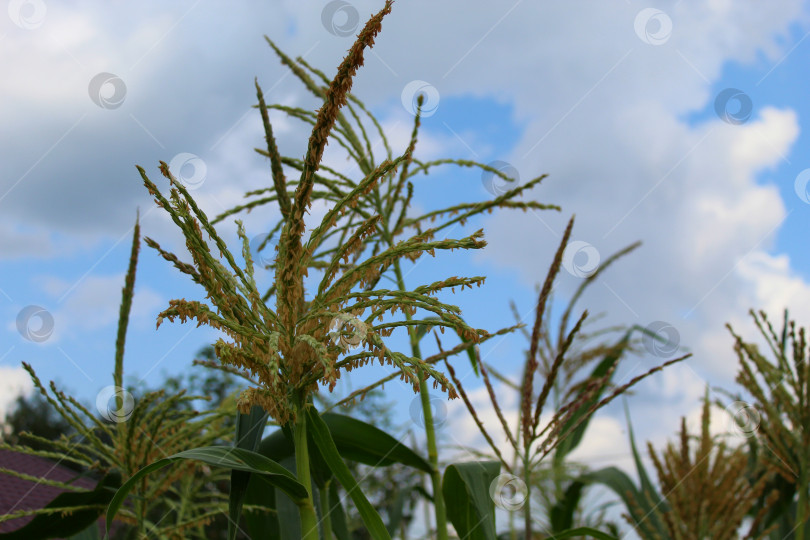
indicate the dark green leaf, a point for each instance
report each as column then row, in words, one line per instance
column 339, row 527
column 218, row 456
column 637, row 506
column 647, row 487
column 90, row 533
column 358, row 441
column 466, row 494
column 277, row 446
column 355, row 440
column 264, row 521
column 249, row 429
column 279, row 518
column 562, row 513
column 583, row 531
column 323, row 440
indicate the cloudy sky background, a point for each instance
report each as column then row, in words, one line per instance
column 680, row 124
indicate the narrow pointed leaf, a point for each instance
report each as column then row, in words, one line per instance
column 279, row 519
column 637, row 505
column 339, row 526
column 355, row 440
column 90, row 533
column 262, row 522
column 572, row 440
column 583, row 531
column 562, row 513
column 323, row 440
column 249, row 429
column 647, row 486
column 279, row 446
column 466, row 494
column 359, row 441
column 218, row 456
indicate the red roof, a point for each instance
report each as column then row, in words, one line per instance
column 18, row 494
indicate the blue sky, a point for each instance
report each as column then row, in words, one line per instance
column 618, row 104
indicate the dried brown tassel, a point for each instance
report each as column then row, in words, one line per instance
column 526, row 390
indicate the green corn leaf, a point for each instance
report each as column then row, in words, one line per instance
column 265, row 522
column 279, row 446
column 647, row 487
column 339, row 526
column 359, row 441
column 466, row 494
column 90, row 533
column 562, row 513
column 279, row 519
column 355, row 440
column 640, row 503
column 583, row 531
column 323, row 440
column 636, row 504
column 249, row 428
column 572, row 440
column 218, row 456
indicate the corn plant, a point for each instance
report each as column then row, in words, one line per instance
column 289, row 351
column 305, row 342
column 113, row 448
column 574, row 404
column 704, row 489
column 389, row 201
column 777, row 420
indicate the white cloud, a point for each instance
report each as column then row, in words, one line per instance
column 776, row 286
column 17, row 243
column 14, row 382
column 94, row 303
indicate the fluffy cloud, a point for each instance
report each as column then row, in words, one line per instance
column 14, row 382
column 94, row 302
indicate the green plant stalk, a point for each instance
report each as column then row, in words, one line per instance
column 427, row 413
column 801, row 505
column 326, row 510
column 141, row 507
column 526, row 465
column 433, row 458
column 527, row 507
column 430, row 432
column 306, row 508
column 518, row 434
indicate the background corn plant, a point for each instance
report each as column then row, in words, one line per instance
column 112, row 448
column 776, row 419
column 711, row 490
column 704, row 489
column 556, row 361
